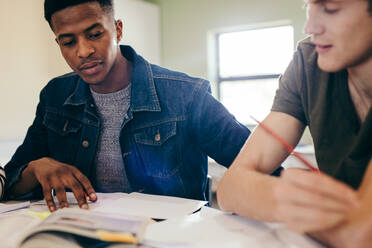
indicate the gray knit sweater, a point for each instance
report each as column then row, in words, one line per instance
column 110, row 172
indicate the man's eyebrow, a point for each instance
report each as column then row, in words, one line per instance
column 93, row 27
column 61, row 36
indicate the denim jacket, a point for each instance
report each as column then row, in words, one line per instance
column 173, row 124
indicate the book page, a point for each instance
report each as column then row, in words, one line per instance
column 95, row 221
column 93, row 225
column 14, row 226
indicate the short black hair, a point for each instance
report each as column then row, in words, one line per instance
column 52, row 6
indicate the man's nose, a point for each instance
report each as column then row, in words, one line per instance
column 84, row 49
column 313, row 24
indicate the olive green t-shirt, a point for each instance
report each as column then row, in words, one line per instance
column 322, row 101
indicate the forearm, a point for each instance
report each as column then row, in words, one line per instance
column 248, row 193
column 26, row 184
column 247, row 188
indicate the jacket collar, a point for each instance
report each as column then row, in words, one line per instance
column 143, row 92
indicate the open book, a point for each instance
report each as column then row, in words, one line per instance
column 76, row 227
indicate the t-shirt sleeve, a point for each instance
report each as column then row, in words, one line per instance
column 288, row 96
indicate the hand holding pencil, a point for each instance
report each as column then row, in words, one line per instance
column 308, row 202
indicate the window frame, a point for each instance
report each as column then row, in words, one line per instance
column 219, row 79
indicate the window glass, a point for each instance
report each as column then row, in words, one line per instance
column 249, row 65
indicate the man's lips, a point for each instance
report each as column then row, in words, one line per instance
column 90, row 67
column 323, row 48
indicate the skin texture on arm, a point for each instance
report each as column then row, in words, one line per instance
column 246, row 188
column 303, row 200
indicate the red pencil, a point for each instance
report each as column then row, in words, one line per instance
column 286, row 146
column 86, row 197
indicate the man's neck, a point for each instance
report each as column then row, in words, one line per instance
column 118, row 78
column 361, row 76
column 360, row 86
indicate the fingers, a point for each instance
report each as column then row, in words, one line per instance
column 311, row 219
column 87, row 186
column 78, row 192
column 303, row 211
column 50, row 184
column 61, row 195
column 309, row 201
column 327, row 188
column 79, row 184
column 52, row 174
column 293, row 195
column 47, row 192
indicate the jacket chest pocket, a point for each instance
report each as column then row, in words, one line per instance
column 63, row 136
column 159, row 149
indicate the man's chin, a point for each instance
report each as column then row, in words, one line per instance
column 91, row 80
column 329, row 66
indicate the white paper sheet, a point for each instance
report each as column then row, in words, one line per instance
column 153, row 206
column 8, row 207
column 103, row 199
column 213, row 228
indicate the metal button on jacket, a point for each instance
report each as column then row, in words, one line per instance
column 157, row 137
column 85, row 144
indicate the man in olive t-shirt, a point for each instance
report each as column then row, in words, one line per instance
column 328, row 87
column 321, row 100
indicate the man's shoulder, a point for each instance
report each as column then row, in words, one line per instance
column 307, row 51
column 68, row 77
column 64, row 81
column 61, row 87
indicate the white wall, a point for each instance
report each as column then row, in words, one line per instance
column 29, row 58
column 141, row 22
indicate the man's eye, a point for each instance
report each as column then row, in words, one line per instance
column 331, row 8
column 95, row 35
column 67, row 43
column 330, row 11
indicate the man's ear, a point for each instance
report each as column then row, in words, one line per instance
column 119, row 30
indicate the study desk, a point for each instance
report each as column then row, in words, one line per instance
column 206, row 228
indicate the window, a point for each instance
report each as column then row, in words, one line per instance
column 249, row 64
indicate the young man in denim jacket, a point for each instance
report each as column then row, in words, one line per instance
column 118, row 123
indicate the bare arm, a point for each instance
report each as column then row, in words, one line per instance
column 305, row 201
column 246, row 188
